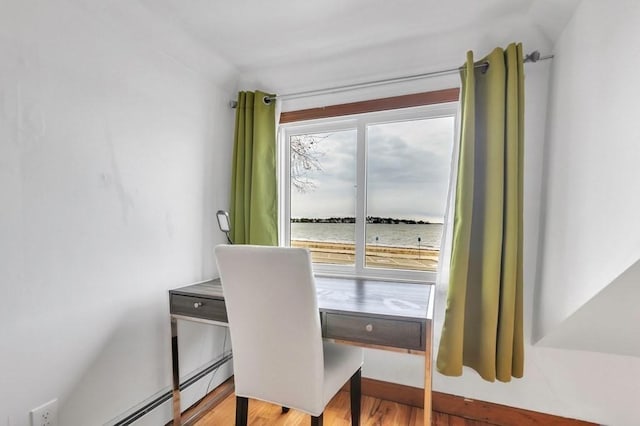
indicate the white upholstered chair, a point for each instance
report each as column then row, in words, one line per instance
column 278, row 352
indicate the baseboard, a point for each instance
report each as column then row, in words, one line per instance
column 501, row 415
column 394, row 392
column 208, row 403
column 145, row 407
column 496, row 413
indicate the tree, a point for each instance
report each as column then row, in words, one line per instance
column 305, row 159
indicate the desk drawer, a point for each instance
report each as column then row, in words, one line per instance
column 210, row 309
column 376, row 331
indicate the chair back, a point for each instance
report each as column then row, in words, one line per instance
column 274, row 324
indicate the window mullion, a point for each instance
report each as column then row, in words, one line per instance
column 361, row 193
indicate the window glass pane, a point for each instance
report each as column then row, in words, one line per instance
column 408, row 167
column 323, row 195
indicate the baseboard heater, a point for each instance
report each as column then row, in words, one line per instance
column 165, row 395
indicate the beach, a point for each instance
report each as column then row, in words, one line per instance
column 377, row 256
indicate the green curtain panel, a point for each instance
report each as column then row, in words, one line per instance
column 254, row 205
column 483, row 325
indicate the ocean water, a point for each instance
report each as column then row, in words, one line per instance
column 400, row 235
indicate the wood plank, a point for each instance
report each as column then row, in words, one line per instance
column 427, row 375
column 374, row 412
column 460, row 406
column 417, row 416
column 401, row 394
column 378, row 411
column 383, row 104
column 439, row 419
column 496, row 413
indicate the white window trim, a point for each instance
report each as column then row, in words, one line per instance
column 359, row 122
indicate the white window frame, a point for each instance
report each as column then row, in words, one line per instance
column 359, row 122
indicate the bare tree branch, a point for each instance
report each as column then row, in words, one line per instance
column 305, row 159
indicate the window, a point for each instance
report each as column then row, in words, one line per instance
column 366, row 193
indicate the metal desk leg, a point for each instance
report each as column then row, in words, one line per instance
column 177, row 415
column 427, row 376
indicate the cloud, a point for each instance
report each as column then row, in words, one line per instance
column 408, row 169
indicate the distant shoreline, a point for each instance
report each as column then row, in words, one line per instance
column 370, row 219
column 395, row 235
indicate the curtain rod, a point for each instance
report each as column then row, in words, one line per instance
column 532, row 57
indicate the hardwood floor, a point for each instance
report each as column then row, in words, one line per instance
column 375, row 412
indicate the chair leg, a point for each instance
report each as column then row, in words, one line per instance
column 316, row 421
column 356, row 393
column 242, row 410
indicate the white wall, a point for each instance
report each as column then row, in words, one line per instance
column 115, row 136
column 607, row 323
column 591, row 227
column 583, row 385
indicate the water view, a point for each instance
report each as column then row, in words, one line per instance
column 396, row 235
column 390, row 246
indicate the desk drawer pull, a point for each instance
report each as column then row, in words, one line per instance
column 369, row 328
column 199, row 307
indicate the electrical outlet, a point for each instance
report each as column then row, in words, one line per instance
column 46, row 414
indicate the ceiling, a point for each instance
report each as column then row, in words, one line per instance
column 253, row 33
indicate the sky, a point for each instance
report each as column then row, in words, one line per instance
column 408, row 172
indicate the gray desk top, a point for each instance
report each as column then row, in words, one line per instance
column 360, row 296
